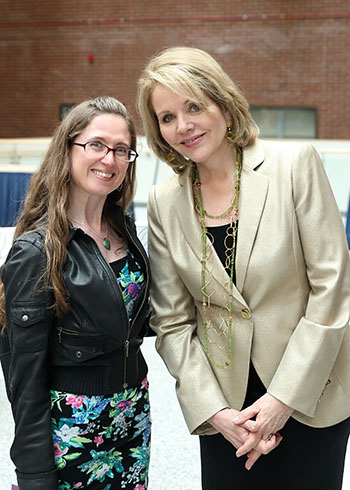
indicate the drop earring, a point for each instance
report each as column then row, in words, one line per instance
column 229, row 134
column 171, row 156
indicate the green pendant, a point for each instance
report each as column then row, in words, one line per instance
column 106, row 244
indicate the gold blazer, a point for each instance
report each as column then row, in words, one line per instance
column 292, row 296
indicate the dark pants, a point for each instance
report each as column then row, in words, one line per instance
column 306, row 459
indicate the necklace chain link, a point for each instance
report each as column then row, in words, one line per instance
column 231, row 232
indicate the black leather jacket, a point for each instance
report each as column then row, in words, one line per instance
column 93, row 349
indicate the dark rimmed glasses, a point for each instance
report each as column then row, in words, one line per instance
column 99, row 150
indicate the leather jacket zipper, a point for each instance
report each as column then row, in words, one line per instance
column 126, row 355
column 147, row 271
column 118, row 288
column 64, row 331
column 127, row 341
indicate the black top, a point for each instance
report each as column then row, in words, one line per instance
column 130, row 275
column 219, row 235
column 255, row 388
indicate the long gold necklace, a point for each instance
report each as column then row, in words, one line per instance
column 207, row 310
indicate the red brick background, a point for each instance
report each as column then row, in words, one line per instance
column 281, row 53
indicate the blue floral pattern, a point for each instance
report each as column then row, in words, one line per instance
column 102, row 442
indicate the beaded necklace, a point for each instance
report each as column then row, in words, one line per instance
column 207, row 310
column 218, row 216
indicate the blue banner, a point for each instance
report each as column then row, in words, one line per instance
column 13, row 189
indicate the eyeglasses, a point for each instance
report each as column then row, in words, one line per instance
column 99, row 150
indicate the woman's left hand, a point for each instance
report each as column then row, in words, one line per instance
column 271, row 415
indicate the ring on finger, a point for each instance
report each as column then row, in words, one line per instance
column 268, row 437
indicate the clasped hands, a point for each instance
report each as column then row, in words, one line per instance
column 253, row 437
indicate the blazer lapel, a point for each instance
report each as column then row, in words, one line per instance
column 253, row 193
column 184, row 206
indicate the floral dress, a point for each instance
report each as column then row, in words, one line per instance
column 102, row 442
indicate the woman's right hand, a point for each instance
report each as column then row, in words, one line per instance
column 222, row 421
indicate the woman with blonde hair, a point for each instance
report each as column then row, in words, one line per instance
column 251, row 283
column 74, row 304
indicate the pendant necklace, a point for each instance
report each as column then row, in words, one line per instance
column 105, row 241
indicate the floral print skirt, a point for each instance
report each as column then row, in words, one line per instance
column 102, row 442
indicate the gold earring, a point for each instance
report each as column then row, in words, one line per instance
column 229, row 134
column 171, row 156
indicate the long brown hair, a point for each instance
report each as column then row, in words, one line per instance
column 47, row 201
column 194, row 74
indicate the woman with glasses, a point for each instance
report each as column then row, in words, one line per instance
column 251, row 284
column 74, row 305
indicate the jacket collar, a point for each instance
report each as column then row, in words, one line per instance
column 254, row 188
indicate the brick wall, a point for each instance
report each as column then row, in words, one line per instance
column 300, row 60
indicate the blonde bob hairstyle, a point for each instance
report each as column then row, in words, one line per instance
column 194, row 74
column 47, row 201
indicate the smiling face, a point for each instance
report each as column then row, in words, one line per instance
column 197, row 134
column 96, row 176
